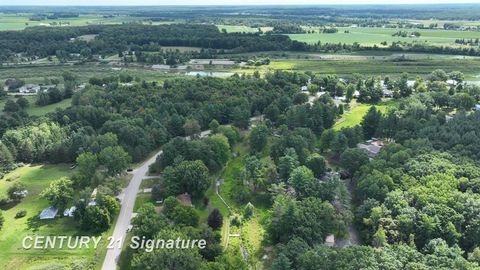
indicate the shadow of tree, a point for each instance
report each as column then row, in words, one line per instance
column 34, row 223
column 9, row 205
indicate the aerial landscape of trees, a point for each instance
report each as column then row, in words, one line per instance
column 276, row 165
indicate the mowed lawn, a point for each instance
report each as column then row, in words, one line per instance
column 35, row 110
column 376, row 35
column 355, row 115
column 12, row 255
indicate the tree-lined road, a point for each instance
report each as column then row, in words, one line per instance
column 130, row 195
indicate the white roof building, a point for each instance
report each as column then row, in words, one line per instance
column 49, row 213
column 330, row 240
column 29, row 88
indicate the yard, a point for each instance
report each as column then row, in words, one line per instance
column 35, row 110
column 36, row 178
column 13, row 256
column 355, row 115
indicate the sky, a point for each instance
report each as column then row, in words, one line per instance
column 222, row 2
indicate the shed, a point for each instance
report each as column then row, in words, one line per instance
column 330, row 240
column 49, row 213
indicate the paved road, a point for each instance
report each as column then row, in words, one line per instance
column 128, row 201
column 126, row 210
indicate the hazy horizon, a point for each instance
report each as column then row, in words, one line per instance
column 224, row 3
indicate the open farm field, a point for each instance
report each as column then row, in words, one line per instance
column 375, row 35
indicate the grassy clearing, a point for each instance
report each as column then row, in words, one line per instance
column 37, row 74
column 21, row 21
column 13, row 256
column 35, row 110
column 355, row 115
column 142, row 198
column 371, row 66
column 376, row 35
column 242, row 28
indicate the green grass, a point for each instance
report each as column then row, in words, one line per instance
column 355, row 115
column 376, row 35
column 242, row 28
column 13, row 256
column 141, row 199
column 21, row 21
column 346, row 65
column 35, row 110
column 37, row 74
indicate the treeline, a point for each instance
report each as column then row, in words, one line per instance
column 112, row 39
column 145, row 115
column 116, row 39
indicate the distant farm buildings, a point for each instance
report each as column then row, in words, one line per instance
column 29, row 89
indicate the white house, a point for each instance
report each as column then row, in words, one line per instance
column 161, row 67
column 49, row 213
column 29, row 89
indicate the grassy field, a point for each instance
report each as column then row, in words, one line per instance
column 36, row 178
column 371, row 65
column 35, row 110
column 21, row 21
column 242, row 28
column 357, row 111
column 13, row 256
column 37, row 74
column 376, row 35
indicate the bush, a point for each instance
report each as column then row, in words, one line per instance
column 21, row 214
column 236, row 221
column 4, row 201
column 215, row 219
column 249, row 211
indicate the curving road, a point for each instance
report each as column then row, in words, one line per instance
column 128, row 201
